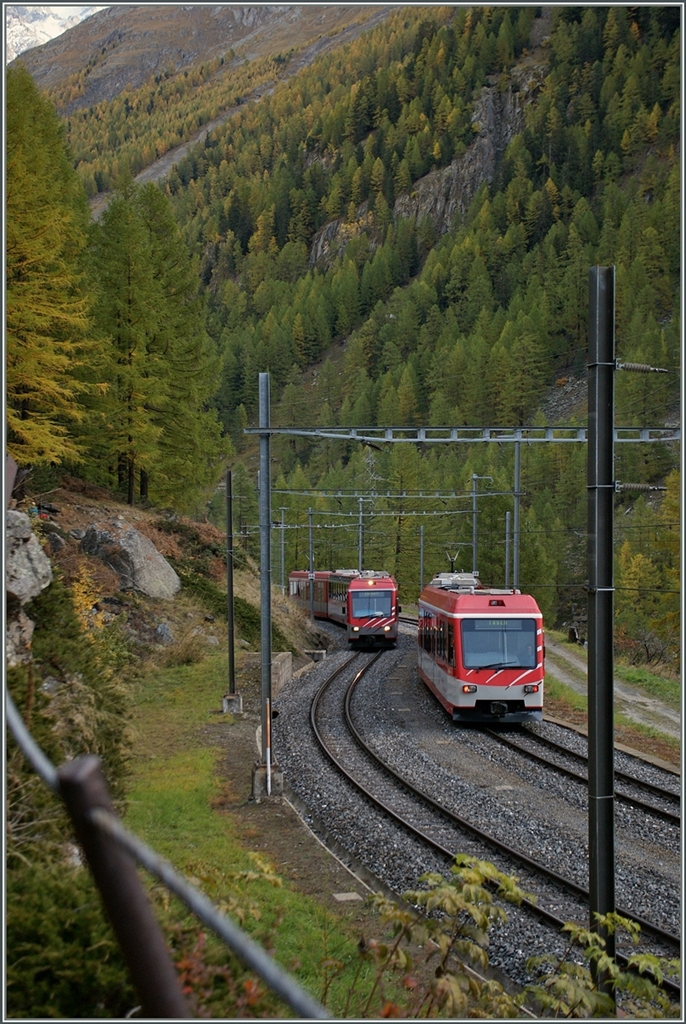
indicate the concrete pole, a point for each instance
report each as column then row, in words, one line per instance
column 507, row 551
column 265, row 565
column 474, row 561
column 601, row 489
column 518, row 473
column 421, row 558
column 360, row 537
column 309, row 518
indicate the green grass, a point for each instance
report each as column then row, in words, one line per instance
column 559, row 691
column 578, row 702
column 652, row 684
column 648, row 731
column 170, row 807
column 660, row 687
column 552, row 660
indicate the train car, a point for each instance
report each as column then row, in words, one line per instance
column 481, row 651
column 366, row 603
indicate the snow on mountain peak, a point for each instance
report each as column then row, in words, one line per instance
column 28, row 25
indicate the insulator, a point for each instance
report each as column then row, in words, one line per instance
column 640, row 368
column 637, row 487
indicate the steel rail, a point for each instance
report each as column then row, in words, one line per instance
column 410, row 621
column 631, row 801
column 541, row 913
column 566, row 883
column 649, row 787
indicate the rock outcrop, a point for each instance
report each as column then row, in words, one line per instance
column 27, row 573
column 445, row 194
column 133, row 557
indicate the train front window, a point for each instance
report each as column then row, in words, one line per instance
column 499, row 643
column 371, row 604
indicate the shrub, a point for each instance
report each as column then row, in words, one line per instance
column 454, row 937
column 62, row 958
column 569, row 988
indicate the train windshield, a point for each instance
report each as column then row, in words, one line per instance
column 499, row 643
column 371, row 604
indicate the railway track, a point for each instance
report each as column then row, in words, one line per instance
column 668, row 809
column 430, row 821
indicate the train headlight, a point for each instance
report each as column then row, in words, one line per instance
column 531, row 688
column 387, row 629
column 469, row 688
column 356, row 629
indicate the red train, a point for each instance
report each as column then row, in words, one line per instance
column 366, row 603
column 481, row 651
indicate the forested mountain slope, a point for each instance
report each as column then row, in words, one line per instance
column 408, row 323
column 401, row 234
column 136, row 81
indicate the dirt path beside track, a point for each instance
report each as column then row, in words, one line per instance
column 630, row 702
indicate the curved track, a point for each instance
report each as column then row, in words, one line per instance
column 667, row 797
column 332, row 721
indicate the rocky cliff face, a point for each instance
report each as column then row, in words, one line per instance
column 444, row 195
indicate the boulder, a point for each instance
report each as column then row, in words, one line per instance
column 27, row 572
column 133, row 557
column 27, row 567
column 18, row 638
column 163, row 634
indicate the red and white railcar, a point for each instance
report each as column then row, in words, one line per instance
column 481, row 651
column 366, row 602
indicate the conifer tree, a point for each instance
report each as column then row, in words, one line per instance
column 154, row 420
column 47, row 320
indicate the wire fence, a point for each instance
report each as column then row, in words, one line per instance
column 112, row 853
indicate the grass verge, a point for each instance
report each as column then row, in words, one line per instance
column 175, row 806
column 660, row 687
column 564, row 702
column 652, row 684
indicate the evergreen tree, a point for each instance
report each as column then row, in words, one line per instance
column 154, row 419
column 47, row 321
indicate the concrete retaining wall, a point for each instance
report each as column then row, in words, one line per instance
column 282, row 670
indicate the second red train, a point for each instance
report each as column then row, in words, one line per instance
column 366, row 603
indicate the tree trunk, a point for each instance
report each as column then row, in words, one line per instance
column 144, row 486
column 131, row 497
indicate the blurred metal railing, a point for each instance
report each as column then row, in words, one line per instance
column 112, row 853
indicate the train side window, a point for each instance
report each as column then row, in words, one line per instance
column 446, row 633
column 451, row 645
